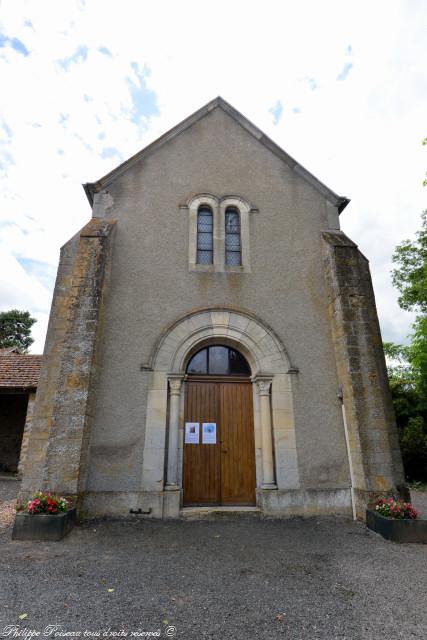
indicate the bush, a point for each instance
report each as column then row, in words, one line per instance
column 411, row 416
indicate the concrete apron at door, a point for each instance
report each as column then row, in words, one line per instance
column 269, row 502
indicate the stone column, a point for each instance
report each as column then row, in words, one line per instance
column 263, row 386
column 175, row 384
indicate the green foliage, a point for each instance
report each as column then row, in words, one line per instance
column 398, row 367
column 15, row 329
column 416, row 485
column 395, row 351
column 410, row 273
column 410, row 407
column 418, row 356
column 407, row 365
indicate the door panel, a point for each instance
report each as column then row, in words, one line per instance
column 201, row 479
column 237, row 447
column 223, row 473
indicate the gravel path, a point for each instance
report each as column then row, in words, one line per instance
column 244, row 578
column 419, row 500
column 8, row 490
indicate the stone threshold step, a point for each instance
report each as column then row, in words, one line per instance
column 217, row 512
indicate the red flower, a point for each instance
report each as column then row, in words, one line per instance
column 47, row 502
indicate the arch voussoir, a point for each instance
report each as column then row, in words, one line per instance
column 261, row 346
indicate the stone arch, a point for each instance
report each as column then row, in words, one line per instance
column 275, row 444
column 258, row 343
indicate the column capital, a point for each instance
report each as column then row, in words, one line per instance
column 175, row 382
column 263, row 383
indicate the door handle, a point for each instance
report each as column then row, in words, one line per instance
column 223, row 450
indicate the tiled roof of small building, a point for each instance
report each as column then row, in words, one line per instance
column 18, row 370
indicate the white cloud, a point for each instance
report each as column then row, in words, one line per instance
column 360, row 135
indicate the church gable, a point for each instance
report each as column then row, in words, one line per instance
column 213, row 340
column 98, row 187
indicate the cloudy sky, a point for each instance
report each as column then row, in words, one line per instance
column 340, row 85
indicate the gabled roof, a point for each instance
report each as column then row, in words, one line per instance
column 218, row 103
column 19, row 371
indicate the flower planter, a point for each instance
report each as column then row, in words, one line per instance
column 43, row 526
column 397, row 530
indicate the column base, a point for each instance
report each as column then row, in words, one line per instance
column 171, row 502
column 268, row 485
column 172, row 487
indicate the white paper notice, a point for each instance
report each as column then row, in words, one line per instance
column 192, row 432
column 209, row 433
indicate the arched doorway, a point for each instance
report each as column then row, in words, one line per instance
column 219, row 448
column 274, row 427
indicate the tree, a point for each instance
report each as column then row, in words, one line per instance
column 410, row 278
column 15, row 329
column 409, row 403
column 408, row 364
column 410, row 274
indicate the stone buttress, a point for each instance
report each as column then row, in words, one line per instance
column 56, row 458
column 372, row 433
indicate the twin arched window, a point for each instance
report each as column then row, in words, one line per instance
column 218, row 233
column 205, row 249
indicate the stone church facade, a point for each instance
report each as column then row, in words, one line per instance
column 213, row 290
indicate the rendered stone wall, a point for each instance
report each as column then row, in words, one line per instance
column 373, row 440
column 58, row 442
column 152, row 287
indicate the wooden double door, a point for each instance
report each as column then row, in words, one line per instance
column 222, row 473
